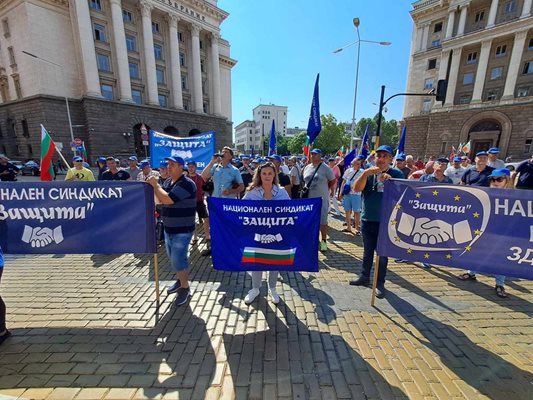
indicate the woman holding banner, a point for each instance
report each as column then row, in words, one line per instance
column 265, row 186
column 4, row 333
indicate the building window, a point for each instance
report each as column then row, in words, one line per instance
column 438, row 27
column 435, row 43
column 528, row 146
column 496, row 73
column 131, row 43
column 160, row 76
column 443, row 147
column 25, row 130
column 426, row 106
column 103, row 62
column 127, row 16
column 530, row 45
column 99, row 33
column 158, row 51
column 468, row 79
column 134, row 70
column 206, row 107
column 201, row 44
column 202, row 65
column 522, row 92
column 528, row 68
column 95, row 5
column 136, row 96
column 155, row 27
column 184, row 82
column 480, row 15
column 30, row 148
column 471, row 58
column 107, row 91
column 11, row 52
column 182, row 59
column 180, row 37
column 492, row 95
column 428, row 83
column 464, row 99
column 432, row 64
column 509, row 7
column 162, row 100
column 5, row 26
column 501, row 51
column 186, row 105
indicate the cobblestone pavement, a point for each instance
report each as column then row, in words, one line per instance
column 86, row 327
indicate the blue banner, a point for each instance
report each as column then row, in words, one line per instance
column 104, row 217
column 248, row 235
column 482, row 229
column 314, row 126
column 199, row 148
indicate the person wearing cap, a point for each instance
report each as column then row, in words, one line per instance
column 246, row 171
column 201, row 208
column 227, row 179
column 146, row 171
column 351, row 200
column 455, row 171
column 494, row 162
column 133, row 168
column 113, row 173
column 163, row 172
column 178, row 197
column 401, row 164
column 79, row 172
column 319, row 178
column 102, row 166
column 439, row 167
column 295, row 174
column 478, row 174
column 8, row 171
column 523, row 175
column 500, row 178
column 283, row 178
column 371, row 184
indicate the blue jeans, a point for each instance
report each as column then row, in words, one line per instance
column 177, row 246
column 370, row 231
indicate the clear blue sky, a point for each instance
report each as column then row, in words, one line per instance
column 281, row 45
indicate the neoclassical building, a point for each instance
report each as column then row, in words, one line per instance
column 484, row 48
column 110, row 66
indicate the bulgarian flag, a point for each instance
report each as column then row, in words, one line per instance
column 341, row 151
column 466, row 148
column 306, row 147
column 48, row 147
column 254, row 255
column 84, row 151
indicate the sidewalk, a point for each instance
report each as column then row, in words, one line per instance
column 85, row 327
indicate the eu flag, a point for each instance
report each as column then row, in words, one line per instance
column 365, row 149
column 272, row 144
column 349, row 158
column 314, row 126
column 401, row 145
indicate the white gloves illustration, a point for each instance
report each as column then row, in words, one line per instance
column 41, row 237
column 427, row 231
column 268, row 238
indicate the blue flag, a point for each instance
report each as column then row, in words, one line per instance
column 252, row 155
column 349, row 158
column 248, row 235
column 272, row 145
column 482, row 229
column 314, row 126
column 401, row 145
column 365, row 149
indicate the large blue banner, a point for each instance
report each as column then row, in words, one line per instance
column 105, row 217
column 482, row 229
column 199, row 148
column 249, row 235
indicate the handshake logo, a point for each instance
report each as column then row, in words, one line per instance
column 181, row 153
column 427, row 231
column 266, row 239
column 42, row 237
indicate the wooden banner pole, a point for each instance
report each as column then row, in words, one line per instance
column 375, row 281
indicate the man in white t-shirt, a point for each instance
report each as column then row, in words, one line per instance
column 351, row 200
column 455, row 171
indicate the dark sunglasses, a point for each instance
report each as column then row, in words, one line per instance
column 499, row 179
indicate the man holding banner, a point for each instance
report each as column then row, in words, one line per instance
column 178, row 196
column 371, row 184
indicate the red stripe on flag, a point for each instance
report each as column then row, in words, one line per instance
column 257, row 260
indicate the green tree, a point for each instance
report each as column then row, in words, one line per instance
column 331, row 138
column 390, row 132
column 296, row 143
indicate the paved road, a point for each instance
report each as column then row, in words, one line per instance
column 86, row 327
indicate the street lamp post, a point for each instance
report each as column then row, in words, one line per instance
column 66, row 98
column 356, row 23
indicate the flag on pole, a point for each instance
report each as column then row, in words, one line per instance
column 466, row 148
column 48, row 147
column 272, row 148
column 252, row 155
column 365, row 149
column 401, row 145
column 341, row 151
column 314, row 126
column 84, row 151
column 306, row 147
column 349, row 158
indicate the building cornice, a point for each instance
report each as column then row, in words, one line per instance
column 423, row 7
column 194, row 10
column 227, row 61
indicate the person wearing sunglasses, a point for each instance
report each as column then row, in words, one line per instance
column 79, row 172
column 500, row 178
column 265, row 186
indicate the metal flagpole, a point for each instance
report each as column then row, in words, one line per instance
column 375, row 283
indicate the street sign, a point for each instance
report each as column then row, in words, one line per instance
column 144, row 137
column 145, row 143
column 77, row 141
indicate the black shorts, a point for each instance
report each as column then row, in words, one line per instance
column 201, row 210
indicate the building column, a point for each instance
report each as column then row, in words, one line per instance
column 462, row 20
column 514, row 64
column 481, row 72
column 175, row 61
column 443, row 66
column 425, row 37
column 454, row 76
column 451, row 23
column 526, row 9
column 149, row 57
column 198, row 98
column 492, row 13
column 418, row 33
column 216, row 101
column 88, row 53
column 120, row 51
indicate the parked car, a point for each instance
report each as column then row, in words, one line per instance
column 17, row 164
column 31, row 168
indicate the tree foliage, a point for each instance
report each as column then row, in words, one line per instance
column 390, row 132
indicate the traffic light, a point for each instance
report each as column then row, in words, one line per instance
column 442, row 86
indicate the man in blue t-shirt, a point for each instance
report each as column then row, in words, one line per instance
column 478, row 175
column 371, row 183
column 178, row 196
column 524, row 171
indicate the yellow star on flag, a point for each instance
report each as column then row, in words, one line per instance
column 477, row 232
column 435, row 193
column 393, row 222
column 457, row 198
column 476, row 215
column 426, row 256
column 398, row 206
column 409, row 250
column 418, row 195
column 468, row 248
column 397, row 238
column 449, row 256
